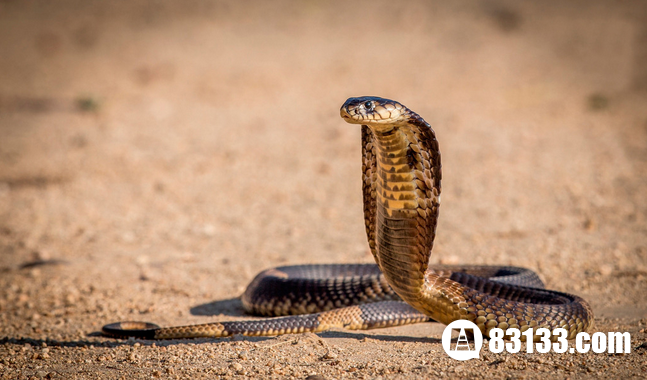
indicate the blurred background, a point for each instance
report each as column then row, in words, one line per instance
column 155, row 155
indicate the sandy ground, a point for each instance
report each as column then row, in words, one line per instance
column 155, row 155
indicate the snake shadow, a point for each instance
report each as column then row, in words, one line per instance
column 360, row 336
column 232, row 307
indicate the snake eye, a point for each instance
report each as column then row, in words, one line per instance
column 369, row 105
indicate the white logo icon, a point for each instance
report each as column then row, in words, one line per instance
column 462, row 350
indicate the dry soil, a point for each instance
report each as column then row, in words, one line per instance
column 155, row 155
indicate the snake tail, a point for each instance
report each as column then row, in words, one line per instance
column 361, row 317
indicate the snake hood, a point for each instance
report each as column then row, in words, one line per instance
column 374, row 112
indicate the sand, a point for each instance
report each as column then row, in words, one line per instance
column 154, row 156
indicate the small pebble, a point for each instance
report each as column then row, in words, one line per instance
column 330, row 355
column 606, row 270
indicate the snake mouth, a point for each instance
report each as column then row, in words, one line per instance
column 345, row 113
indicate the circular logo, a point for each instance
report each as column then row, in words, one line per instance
column 462, row 349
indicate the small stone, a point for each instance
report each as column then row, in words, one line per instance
column 330, row 355
column 236, row 366
column 70, row 299
column 606, row 269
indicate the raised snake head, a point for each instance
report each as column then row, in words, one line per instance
column 377, row 113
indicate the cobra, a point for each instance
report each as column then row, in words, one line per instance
column 401, row 172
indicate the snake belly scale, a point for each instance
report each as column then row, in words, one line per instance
column 401, row 171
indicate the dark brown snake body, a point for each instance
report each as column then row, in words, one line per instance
column 401, row 185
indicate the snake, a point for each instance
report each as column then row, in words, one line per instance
column 401, row 184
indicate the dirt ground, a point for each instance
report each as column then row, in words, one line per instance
column 155, row 155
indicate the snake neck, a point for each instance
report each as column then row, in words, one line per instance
column 408, row 197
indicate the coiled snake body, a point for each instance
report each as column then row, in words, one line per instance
column 401, row 185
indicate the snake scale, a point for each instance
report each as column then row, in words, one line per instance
column 401, row 190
